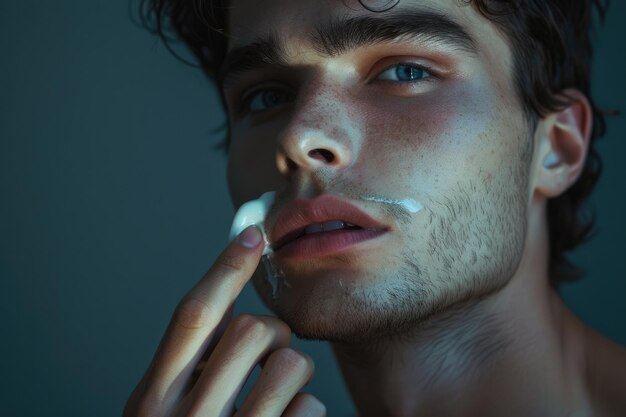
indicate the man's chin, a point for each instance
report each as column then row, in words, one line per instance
column 350, row 306
column 343, row 306
column 317, row 304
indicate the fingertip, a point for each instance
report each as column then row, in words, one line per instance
column 250, row 237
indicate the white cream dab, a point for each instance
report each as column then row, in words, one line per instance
column 409, row 204
column 251, row 213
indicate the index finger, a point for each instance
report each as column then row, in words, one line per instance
column 198, row 314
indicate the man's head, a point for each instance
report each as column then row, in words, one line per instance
column 456, row 104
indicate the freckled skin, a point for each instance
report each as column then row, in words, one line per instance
column 450, row 312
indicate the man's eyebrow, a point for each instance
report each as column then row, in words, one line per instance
column 339, row 37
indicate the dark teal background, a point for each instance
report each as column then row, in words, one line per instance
column 113, row 204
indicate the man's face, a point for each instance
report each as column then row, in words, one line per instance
column 432, row 117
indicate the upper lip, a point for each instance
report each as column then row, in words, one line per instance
column 299, row 214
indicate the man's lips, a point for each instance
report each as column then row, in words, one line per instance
column 297, row 215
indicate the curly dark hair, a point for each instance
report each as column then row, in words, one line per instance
column 551, row 40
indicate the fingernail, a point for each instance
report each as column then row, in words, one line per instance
column 250, row 237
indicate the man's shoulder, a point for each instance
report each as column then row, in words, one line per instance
column 606, row 375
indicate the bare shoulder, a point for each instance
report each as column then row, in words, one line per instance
column 606, row 375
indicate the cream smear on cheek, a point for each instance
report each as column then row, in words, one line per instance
column 408, row 204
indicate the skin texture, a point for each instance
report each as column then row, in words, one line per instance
column 450, row 312
column 444, row 152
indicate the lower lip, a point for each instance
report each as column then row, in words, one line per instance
column 317, row 245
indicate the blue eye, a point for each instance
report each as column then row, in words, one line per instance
column 266, row 98
column 405, row 72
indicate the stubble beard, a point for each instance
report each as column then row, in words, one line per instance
column 473, row 246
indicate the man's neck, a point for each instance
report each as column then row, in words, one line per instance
column 517, row 352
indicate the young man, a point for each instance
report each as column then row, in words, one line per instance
column 428, row 158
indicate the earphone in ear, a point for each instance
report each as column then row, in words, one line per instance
column 551, row 160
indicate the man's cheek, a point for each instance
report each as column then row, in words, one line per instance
column 450, row 113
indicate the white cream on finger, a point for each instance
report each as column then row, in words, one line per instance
column 251, row 213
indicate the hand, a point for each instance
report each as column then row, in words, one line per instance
column 205, row 357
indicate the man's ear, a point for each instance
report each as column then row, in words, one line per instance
column 563, row 143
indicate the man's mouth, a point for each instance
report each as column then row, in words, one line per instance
column 315, row 228
column 321, row 226
column 329, row 227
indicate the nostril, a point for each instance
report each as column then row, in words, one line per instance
column 322, row 155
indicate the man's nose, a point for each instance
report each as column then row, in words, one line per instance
column 320, row 134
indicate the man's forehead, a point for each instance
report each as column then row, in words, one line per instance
column 250, row 20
